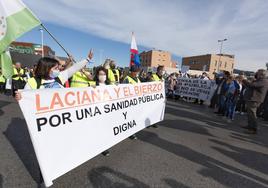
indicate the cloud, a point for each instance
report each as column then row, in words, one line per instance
column 182, row 27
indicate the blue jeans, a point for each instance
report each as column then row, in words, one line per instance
column 230, row 110
column 230, row 107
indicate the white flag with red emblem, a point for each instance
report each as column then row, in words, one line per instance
column 134, row 54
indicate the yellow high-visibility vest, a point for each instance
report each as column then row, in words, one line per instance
column 81, row 80
column 2, row 79
column 132, row 81
column 112, row 76
column 156, row 78
column 15, row 73
column 33, row 83
column 92, row 83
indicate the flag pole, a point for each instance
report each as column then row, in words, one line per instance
column 54, row 38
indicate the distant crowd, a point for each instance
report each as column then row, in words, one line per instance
column 234, row 95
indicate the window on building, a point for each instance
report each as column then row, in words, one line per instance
column 220, row 63
column 216, row 63
column 225, row 64
column 232, row 65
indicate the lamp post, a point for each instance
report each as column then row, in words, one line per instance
column 221, row 44
column 267, row 65
column 42, row 40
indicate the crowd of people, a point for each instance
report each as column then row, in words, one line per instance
column 48, row 72
column 234, row 94
column 52, row 73
column 240, row 95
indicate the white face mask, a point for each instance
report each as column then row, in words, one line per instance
column 162, row 72
column 102, row 78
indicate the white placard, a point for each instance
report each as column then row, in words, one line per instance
column 72, row 125
column 195, row 88
column 185, row 69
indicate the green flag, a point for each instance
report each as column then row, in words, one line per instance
column 6, row 64
column 15, row 20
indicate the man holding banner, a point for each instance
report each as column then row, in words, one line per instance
column 133, row 78
column 158, row 76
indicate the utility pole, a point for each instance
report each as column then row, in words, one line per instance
column 221, row 44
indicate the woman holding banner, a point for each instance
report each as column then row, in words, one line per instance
column 48, row 75
column 101, row 80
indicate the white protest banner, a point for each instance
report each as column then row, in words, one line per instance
column 72, row 125
column 195, row 88
column 185, row 69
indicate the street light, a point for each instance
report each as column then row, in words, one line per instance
column 42, row 40
column 221, row 42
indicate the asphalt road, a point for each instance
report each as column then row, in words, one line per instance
column 191, row 148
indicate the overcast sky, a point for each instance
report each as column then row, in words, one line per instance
column 183, row 27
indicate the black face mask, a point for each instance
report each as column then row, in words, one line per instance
column 256, row 76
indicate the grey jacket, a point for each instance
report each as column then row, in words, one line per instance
column 256, row 90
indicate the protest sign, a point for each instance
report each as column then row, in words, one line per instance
column 72, row 125
column 195, row 88
column 185, row 69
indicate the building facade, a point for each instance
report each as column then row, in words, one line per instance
column 154, row 58
column 210, row 63
column 30, row 48
column 28, row 54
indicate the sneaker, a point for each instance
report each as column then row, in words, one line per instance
column 133, row 137
column 155, row 126
column 242, row 113
column 251, row 131
column 106, row 153
column 229, row 121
